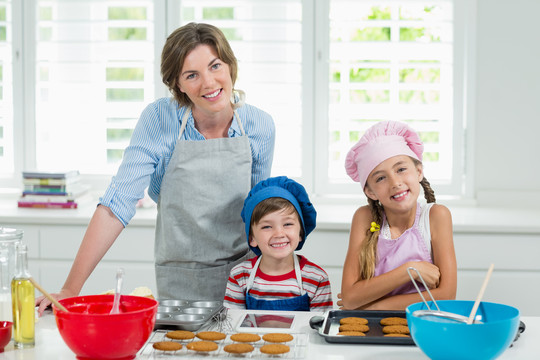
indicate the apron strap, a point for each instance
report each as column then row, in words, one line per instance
column 251, row 279
column 186, row 116
column 184, row 121
column 298, row 274
column 239, row 123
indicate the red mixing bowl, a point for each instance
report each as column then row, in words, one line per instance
column 5, row 333
column 91, row 332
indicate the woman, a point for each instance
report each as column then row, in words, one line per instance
column 199, row 155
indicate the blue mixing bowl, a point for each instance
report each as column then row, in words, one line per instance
column 441, row 339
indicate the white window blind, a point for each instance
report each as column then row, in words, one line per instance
column 390, row 60
column 266, row 37
column 94, row 75
column 325, row 70
column 6, row 90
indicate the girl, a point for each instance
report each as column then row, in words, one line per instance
column 395, row 231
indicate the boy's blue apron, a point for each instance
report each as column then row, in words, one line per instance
column 199, row 231
column 298, row 303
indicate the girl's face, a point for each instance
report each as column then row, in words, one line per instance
column 277, row 234
column 206, row 80
column 395, row 183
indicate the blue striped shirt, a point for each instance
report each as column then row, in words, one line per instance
column 152, row 145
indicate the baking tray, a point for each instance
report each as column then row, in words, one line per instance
column 186, row 314
column 298, row 348
column 328, row 327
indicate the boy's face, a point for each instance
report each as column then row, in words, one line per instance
column 277, row 234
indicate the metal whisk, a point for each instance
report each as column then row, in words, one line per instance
column 432, row 312
column 221, row 322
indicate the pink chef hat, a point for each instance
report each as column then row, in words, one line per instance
column 380, row 142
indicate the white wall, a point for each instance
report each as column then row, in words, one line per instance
column 507, row 124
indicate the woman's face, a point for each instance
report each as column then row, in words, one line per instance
column 395, row 183
column 206, row 80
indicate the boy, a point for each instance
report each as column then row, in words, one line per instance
column 278, row 216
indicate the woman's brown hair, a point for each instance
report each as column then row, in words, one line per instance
column 368, row 252
column 181, row 42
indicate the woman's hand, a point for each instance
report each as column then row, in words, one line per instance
column 430, row 273
column 43, row 302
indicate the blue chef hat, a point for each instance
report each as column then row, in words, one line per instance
column 285, row 188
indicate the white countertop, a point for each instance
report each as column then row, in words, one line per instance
column 49, row 344
column 329, row 217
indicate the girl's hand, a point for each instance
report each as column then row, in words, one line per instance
column 340, row 301
column 430, row 273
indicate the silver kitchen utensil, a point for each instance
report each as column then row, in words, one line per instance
column 439, row 314
column 187, row 314
column 221, row 321
column 118, row 291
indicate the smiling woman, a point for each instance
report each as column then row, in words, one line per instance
column 190, row 150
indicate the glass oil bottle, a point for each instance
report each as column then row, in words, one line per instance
column 23, row 301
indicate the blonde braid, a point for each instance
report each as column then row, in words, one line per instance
column 368, row 252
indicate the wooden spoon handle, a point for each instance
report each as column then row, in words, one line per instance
column 480, row 295
column 47, row 295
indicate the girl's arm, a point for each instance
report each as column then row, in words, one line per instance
column 357, row 293
column 443, row 257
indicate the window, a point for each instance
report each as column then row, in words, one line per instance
column 266, row 37
column 94, row 73
column 6, row 90
column 325, row 71
column 382, row 60
column 389, row 60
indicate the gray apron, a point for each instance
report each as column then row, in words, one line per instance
column 200, row 235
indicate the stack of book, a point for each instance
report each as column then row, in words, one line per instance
column 55, row 190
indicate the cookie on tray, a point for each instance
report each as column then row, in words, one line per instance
column 393, row 321
column 277, row 337
column 352, row 320
column 238, row 348
column 167, row 346
column 396, row 329
column 211, row 335
column 351, row 333
column 180, row 335
column 397, row 335
column 274, row 349
column 354, row 327
column 245, row 337
column 202, row 346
